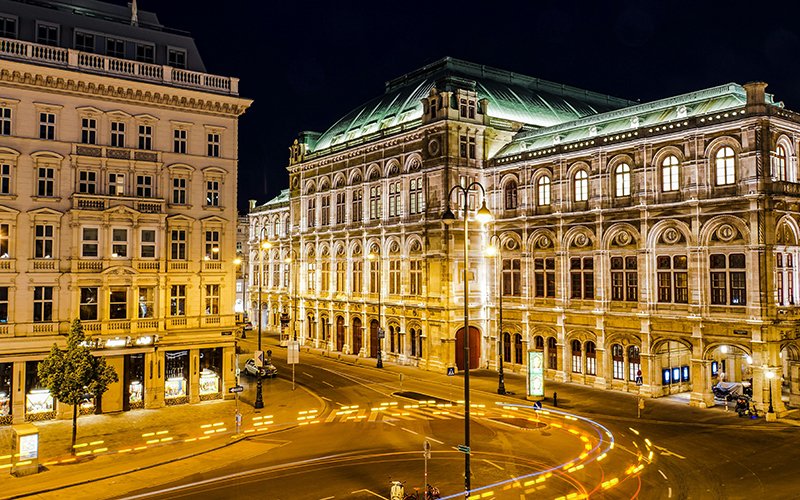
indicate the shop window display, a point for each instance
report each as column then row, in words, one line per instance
column 39, row 404
column 176, row 385
column 134, row 378
column 210, row 372
column 6, row 374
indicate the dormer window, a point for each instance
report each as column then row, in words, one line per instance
column 467, row 108
column 8, row 27
column 115, row 48
column 84, row 41
column 176, row 58
column 47, row 34
column 145, row 53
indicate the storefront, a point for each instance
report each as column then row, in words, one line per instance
column 133, row 382
column 210, row 374
column 39, row 404
column 6, row 376
column 176, row 375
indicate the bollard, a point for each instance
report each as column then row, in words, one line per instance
column 555, row 398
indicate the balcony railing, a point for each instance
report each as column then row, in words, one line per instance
column 96, row 63
column 101, row 202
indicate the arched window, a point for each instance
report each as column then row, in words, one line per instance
column 591, row 359
column 669, row 174
column 622, row 180
column 618, row 362
column 581, row 186
column 552, row 354
column 576, row 357
column 420, row 341
column 543, row 198
column 518, row 349
column 779, row 164
column 725, row 161
column 634, row 363
column 510, row 195
column 507, row 347
column 391, row 339
column 413, row 339
column 538, row 342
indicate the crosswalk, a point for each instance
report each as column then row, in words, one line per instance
column 393, row 412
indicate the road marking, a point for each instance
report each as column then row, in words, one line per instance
column 366, row 491
column 434, row 440
column 327, row 399
column 668, row 453
column 327, row 383
column 389, row 423
column 493, row 464
column 669, row 493
column 662, row 474
column 308, row 375
column 327, row 498
column 409, row 430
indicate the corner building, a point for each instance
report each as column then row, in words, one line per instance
column 654, row 240
column 118, row 173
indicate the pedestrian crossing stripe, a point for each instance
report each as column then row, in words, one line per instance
column 391, row 413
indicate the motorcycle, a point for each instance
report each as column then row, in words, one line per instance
column 432, row 493
column 397, row 490
column 722, row 393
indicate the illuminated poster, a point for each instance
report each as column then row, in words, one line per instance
column 536, row 374
column 28, row 447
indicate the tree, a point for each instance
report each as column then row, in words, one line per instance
column 74, row 373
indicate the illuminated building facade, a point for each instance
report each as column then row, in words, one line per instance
column 118, row 174
column 647, row 248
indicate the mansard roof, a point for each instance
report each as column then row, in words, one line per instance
column 667, row 111
column 281, row 200
column 510, row 96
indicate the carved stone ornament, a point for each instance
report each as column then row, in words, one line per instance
column 581, row 240
column 543, row 242
column 671, row 236
column 433, row 147
column 297, row 152
column 623, row 238
column 726, row 232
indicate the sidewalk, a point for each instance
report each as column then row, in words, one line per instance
column 580, row 399
column 120, row 443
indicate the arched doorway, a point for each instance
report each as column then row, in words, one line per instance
column 671, row 367
column 339, row 333
column 474, row 348
column 790, row 367
column 356, row 335
column 373, row 338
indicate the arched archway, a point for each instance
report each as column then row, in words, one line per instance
column 339, row 333
column 357, row 334
column 373, row 338
column 474, row 348
column 790, row 380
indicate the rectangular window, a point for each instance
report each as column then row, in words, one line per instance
column 416, row 203
column 358, row 206
column 148, row 244
column 672, row 279
column 8, row 27
column 88, row 306
column 179, row 191
column 119, row 243
column 582, row 277
column 618, row 362
column 357, row 286
column 326, row 210
column 374, row 277
column 311, row 284
column 728, row 275
column 42, row 304
column 5, row 121
column 177, row 300
column 466, row 147
column 213, row 144
column 212, row 300
column 325, row 271
column 116, row 184
column 286, row 270
column 87, row 182
column 212, row 245
column 340, row 210
column 47, row 34
column 176, row 58
column 84, row 41
column 624, row 279
column 415, row 278
column 145, row 53
column 3, row 304
column 145, row 137
column 144, row 186
column 212, row 193
column 179, row 140
column 177, row 244
column 118, row 304
column 340, row 276
column 146, row 306
column 4, row 240
column 394, row 199
column 45, row 181
column 43, row 241
column 311, row 212
column 47, row 126
column 88, row 131
column 118, row 134
column 89, row 242
column 115, row 48
column 375, row 202
column 544, row 277
column 5, row 178
column 511, row 277
column 394, row 277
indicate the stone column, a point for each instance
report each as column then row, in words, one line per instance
column 794, row 383
column 228, row 375
column 648, row 376
column 701, row 396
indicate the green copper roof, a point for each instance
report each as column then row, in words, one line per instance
column 281, row 199
column 510, row 96
column 712, row 100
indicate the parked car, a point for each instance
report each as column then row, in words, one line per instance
column 268, row 370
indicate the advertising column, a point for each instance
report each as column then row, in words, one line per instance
column 535, row 384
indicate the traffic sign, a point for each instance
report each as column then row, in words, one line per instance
column 463, row 449
column 293, row 353
column 258, row 356
column 235, row 389
column 537, row 405
column 451, row 371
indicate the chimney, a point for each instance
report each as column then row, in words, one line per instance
column 756, row 97
column 252, row 204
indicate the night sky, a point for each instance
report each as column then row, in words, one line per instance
column 306, row 64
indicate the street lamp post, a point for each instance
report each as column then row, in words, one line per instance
column 483, row 215
column 263, row 247
column 493, row 251
column 770, row 375
column 293, row 260
column 377, row 258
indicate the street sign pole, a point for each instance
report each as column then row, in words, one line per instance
column 293, row 356
column 426, row 452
